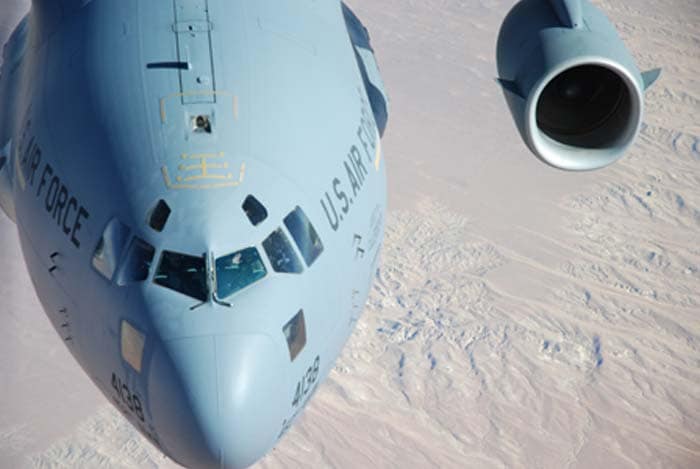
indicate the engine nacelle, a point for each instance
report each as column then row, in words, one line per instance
column 573, row 88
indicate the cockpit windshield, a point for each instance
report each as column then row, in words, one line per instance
column 184, row 274
column 238, row 270
column 281, row 254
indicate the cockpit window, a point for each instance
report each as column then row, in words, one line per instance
column 281, row 253
column 295, row 333
column 238, row 270
column 182, row 273
column 304, row 235
column 159, row 216
column 254, row 210
column 138, row 262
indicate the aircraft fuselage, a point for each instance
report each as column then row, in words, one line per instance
column 211, row 330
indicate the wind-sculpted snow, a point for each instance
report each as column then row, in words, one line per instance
column 103, row 441
column 521, row 317
column 483, row 378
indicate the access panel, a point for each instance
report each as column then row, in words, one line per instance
column 192, row 28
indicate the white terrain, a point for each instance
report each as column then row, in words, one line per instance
column 522, row 316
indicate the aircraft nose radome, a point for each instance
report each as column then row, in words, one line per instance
column 235, row 387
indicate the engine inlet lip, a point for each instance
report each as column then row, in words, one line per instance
column 572, row 158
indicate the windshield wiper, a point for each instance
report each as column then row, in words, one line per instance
column 208, row 286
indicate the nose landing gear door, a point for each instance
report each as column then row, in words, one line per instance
column 193, row 28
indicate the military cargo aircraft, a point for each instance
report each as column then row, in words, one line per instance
column 199, row 189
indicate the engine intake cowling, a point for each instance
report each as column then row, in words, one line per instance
column 572, row 86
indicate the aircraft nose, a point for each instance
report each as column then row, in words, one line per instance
column 233, row 386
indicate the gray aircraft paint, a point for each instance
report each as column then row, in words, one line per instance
column 101, row 101
column 95, row 134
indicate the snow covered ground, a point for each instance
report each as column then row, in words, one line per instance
column 522, row 317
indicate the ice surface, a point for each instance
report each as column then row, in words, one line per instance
column 522, row 317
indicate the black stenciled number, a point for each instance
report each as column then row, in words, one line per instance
column 131, row 400
column 297, row 396
column 285, row 426
column 307, row 381
column 116, row 384
column 126, row 397
column 138, row 409
column 309, row 378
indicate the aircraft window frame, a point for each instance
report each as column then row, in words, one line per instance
column 304, row 235
column 110, row 248
column 137, row 263
column 284, row 259
column 244, row 262
column 256, row 211
column 184, row 283
column 295, row 334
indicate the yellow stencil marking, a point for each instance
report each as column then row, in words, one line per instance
column 206, row 171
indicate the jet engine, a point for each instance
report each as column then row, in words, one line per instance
column 574, row 90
